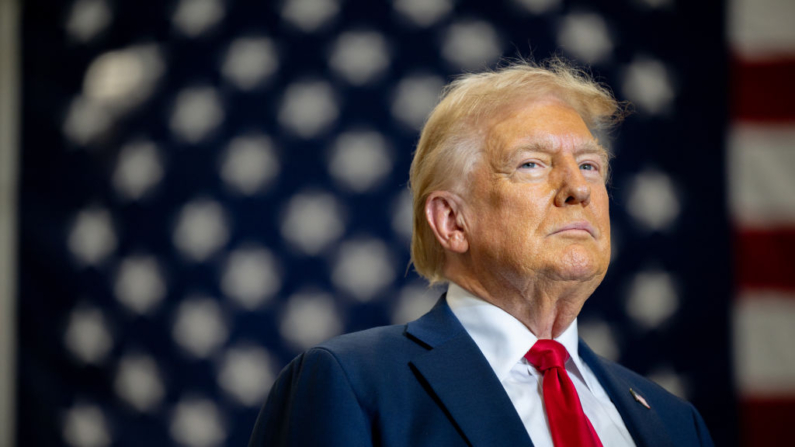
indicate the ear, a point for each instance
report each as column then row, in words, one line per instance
column 443, row 211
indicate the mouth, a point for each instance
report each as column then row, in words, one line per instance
column 574, row 228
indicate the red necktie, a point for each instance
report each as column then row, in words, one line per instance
column 567, row 422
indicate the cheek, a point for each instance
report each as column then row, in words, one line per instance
column 521, row 217
column 602, row 219
column 601, row 210
column 507, row 231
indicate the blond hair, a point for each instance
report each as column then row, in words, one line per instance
column 454, row 133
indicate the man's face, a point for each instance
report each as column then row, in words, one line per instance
column 538, row 205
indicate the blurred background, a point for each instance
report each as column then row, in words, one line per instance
column 194, row 191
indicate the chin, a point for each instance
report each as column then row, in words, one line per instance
column 578, row 264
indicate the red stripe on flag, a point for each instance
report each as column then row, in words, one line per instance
column 765, row 259
column 762, row 91
column 766, row 421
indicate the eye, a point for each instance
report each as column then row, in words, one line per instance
column 589, row 167
column 529, row 165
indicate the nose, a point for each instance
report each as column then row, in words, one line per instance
column 574, row 189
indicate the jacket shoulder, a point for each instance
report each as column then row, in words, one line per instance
column 369, row 351
column 372, row 363
column 362, row 343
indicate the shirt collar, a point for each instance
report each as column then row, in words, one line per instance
column 503, row 339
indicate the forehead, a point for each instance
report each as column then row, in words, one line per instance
column 547, row 124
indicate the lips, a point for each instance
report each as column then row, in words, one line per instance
column 576, row 227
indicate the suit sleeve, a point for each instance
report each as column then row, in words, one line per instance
column 312, row 403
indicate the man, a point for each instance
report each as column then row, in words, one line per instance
column 511, row 209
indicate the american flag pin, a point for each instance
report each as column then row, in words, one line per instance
column 639, row 398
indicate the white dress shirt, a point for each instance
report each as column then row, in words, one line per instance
column 504, row 340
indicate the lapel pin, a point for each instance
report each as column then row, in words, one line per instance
column 639, row 398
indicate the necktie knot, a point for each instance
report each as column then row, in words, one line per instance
column 546, row 354
column 568, row 424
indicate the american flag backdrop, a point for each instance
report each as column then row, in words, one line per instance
column 209, row 187
column 761, row 155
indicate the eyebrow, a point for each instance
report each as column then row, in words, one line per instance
column 550, row 146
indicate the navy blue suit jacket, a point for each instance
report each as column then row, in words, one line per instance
column 428, row 384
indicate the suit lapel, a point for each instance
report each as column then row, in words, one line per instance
column 461, row 378
column 644, row 424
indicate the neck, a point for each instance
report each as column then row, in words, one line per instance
column 545, row 307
